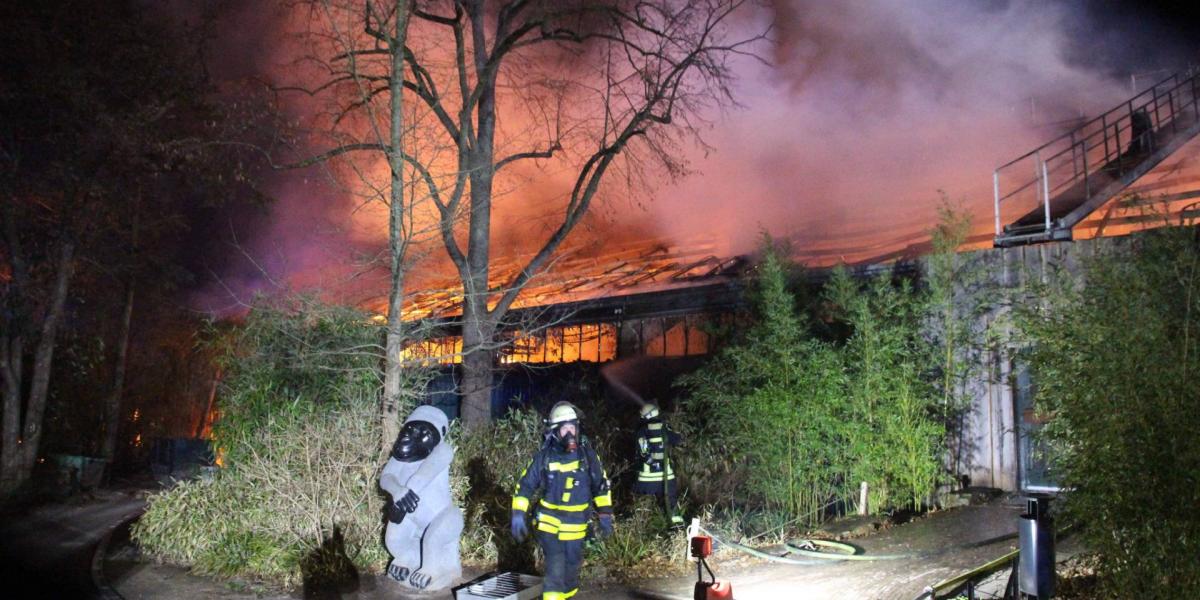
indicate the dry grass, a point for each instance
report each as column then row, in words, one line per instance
column 305, row 481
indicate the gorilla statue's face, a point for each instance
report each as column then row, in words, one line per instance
column 417, row 439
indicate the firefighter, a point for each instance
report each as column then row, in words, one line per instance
column 656, row 477
column 572, row 484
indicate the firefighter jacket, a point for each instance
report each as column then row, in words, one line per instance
column 650, row 439
column 569, row 484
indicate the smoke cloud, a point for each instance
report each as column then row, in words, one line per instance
column 872, row 110
column 846, row 142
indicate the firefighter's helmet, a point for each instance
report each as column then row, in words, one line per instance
column 563, row 412
column 649, row 411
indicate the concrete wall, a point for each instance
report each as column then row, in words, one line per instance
column 987, row 448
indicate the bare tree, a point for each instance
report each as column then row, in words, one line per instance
column 628, row 80
column 601, row 89
column 357, row 46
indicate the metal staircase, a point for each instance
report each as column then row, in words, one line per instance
column 1044, row 193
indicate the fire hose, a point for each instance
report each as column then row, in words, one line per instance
column 812, row 549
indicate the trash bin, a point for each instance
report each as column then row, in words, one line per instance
column 76, row 473
column 1036, row 565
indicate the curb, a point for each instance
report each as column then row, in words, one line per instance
column 104, row 591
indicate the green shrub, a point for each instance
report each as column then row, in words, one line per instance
column 798, row 419
column 890, row 429
column 769, row 400
column 1115, row 362
column 293, row 357
column 642, row 545
column 299, row 437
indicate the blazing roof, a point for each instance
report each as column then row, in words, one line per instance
column 584, row 273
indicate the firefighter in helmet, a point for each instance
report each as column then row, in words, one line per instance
column 656, row 477
column 572, row 484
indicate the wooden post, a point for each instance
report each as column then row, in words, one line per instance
column 862, row 499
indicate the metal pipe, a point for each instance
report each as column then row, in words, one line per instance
column 1074, row 164
column 1087, row 186
column 1195, row 107
column 1104, row 130
column 996, row 196
column 1171, row 106
column 1120, row 163
column 1046, row 194
column 1157, row 118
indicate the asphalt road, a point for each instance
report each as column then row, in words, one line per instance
column 51, row 551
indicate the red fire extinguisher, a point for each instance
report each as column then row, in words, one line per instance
column 713, row 589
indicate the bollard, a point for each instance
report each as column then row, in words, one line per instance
column 1036, row 563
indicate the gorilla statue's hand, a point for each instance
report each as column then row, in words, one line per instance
column 409, row 502
column 395, row 514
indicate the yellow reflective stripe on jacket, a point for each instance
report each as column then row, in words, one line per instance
column 654, row 426
column 564, row 507
column 565, row 531
column 564, row 467
column 557, row 522
column 603, row 500
column 649, row 472
column 566, row 495
column 656, row 477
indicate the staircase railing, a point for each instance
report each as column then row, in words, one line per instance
column 1109, row 145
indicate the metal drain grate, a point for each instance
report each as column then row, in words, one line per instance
column 503, row 586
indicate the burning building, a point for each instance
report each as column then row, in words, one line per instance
column 660, row 300
column 636, row 300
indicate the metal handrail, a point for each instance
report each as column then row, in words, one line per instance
column 1105, row 143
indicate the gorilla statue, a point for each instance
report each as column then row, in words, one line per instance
column 423, row 522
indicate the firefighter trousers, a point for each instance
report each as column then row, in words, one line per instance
column 563, row 559
column 655, row 488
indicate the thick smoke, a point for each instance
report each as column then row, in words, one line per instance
column 867, row 114
column 872, row 110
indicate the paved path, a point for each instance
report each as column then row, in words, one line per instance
column 48, row 551
column 52, row 547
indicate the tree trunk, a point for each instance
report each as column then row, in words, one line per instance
column 11, row 350
column 12, row 354
column 475, row 389
column 112, row 406
column 398, row 238
column 392, row 375
column 479, row 325
column 43, row 359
